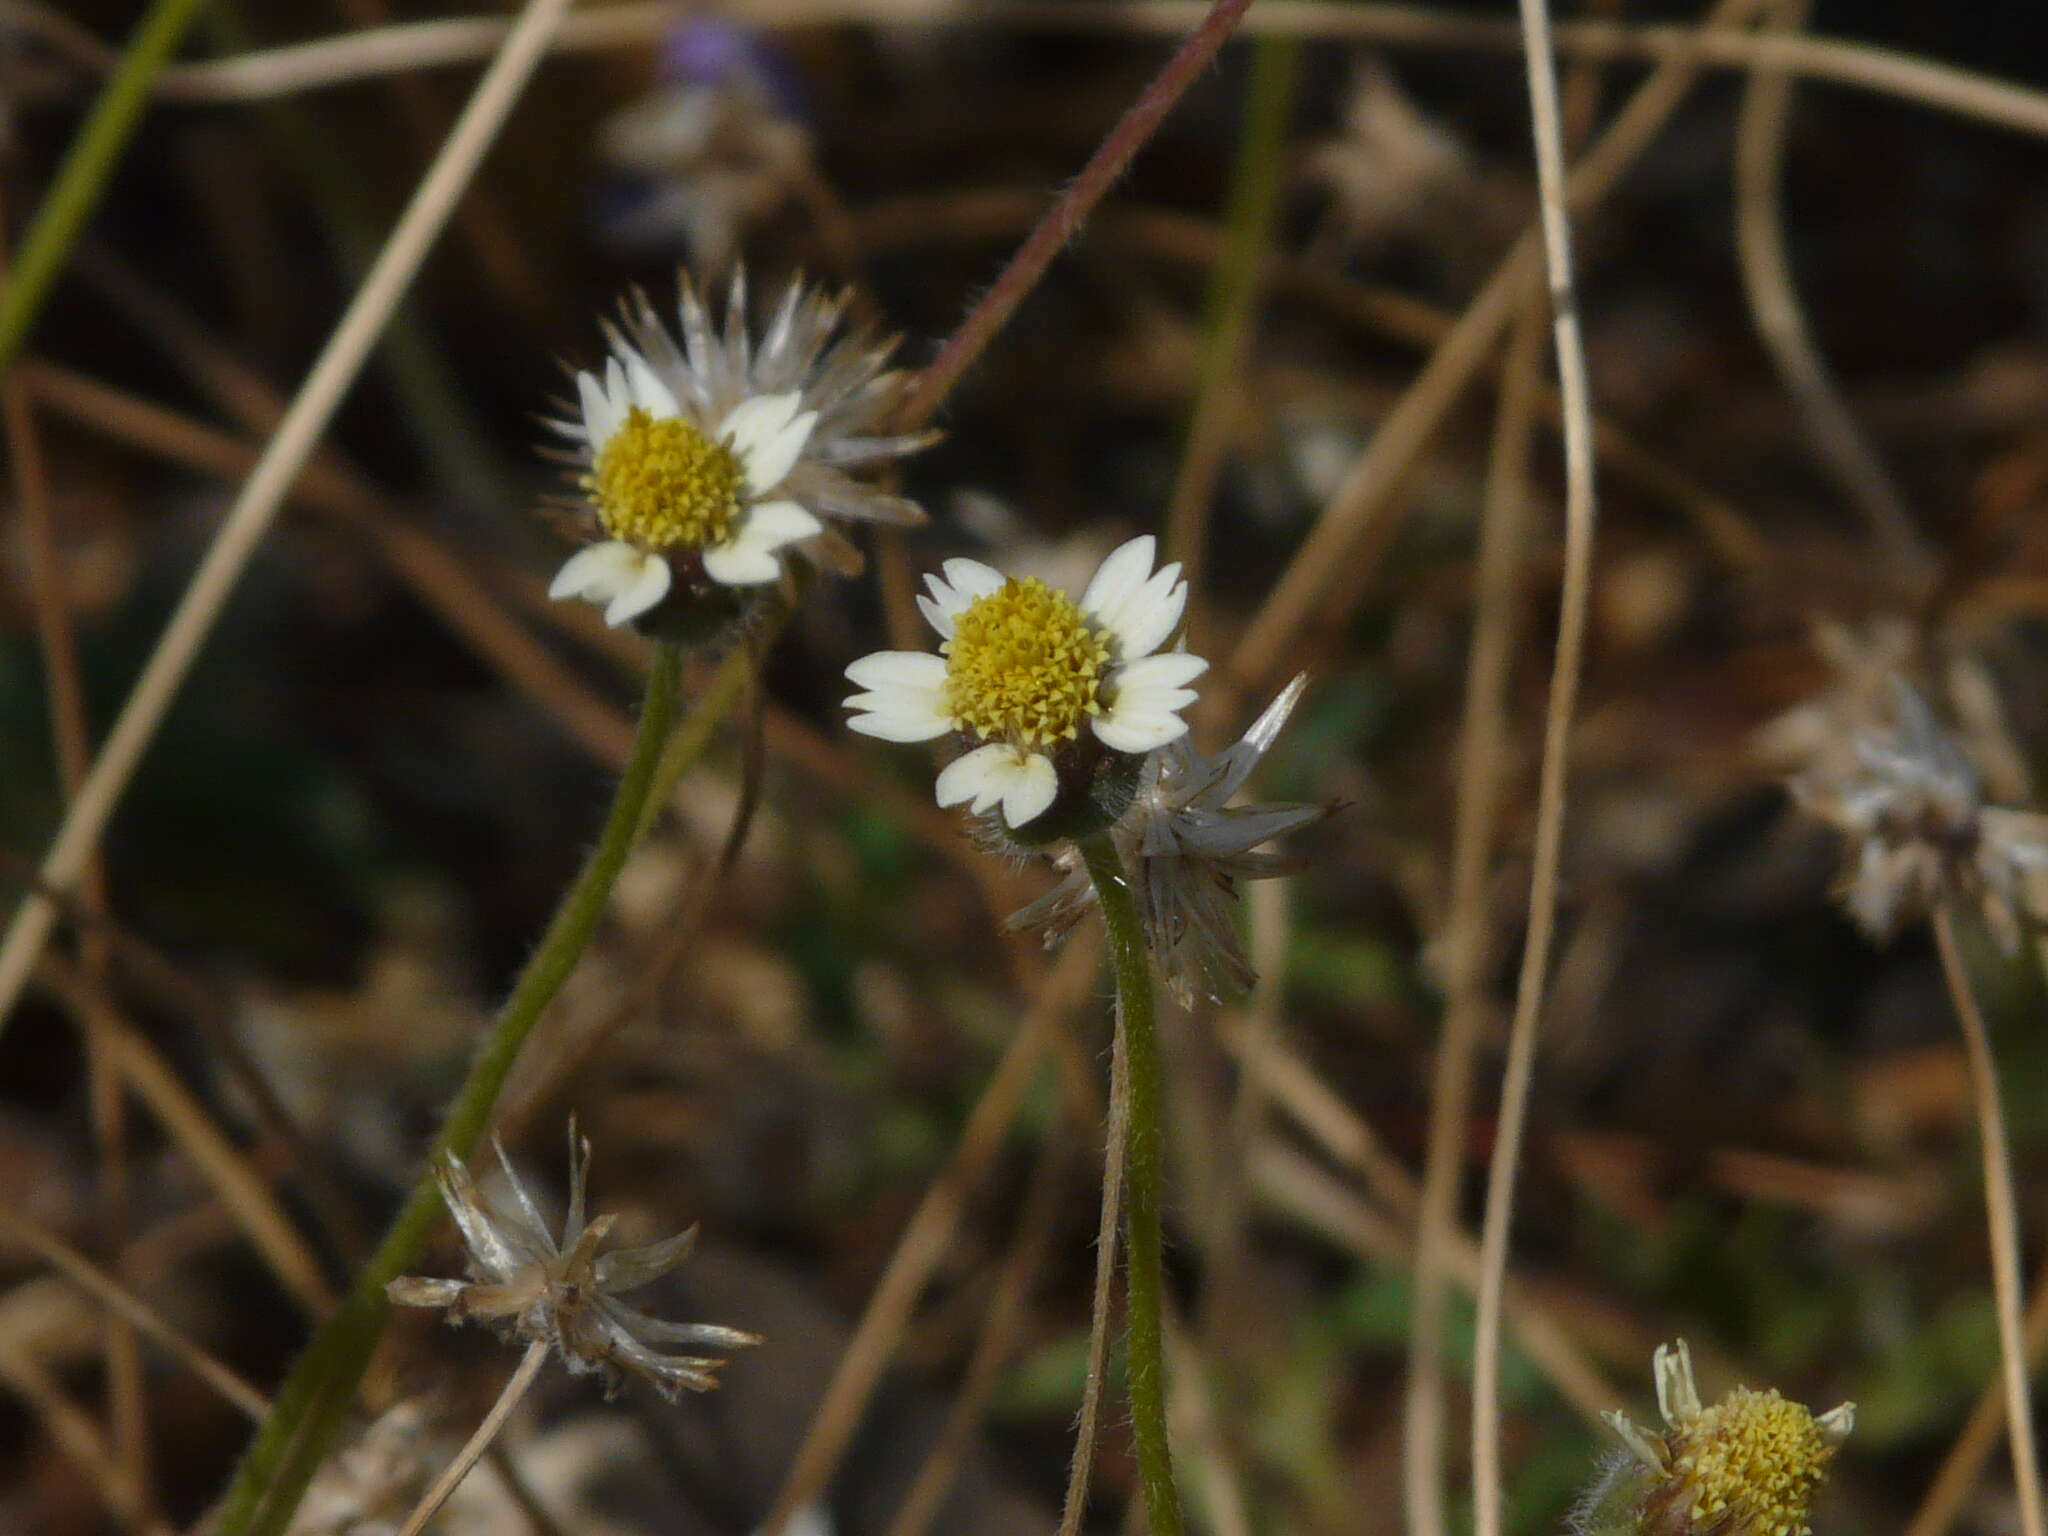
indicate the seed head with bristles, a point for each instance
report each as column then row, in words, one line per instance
column 531, row 1286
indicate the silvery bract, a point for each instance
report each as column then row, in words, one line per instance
column 532, row 1286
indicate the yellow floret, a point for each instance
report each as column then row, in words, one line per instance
column 1024, row 665
column 659, row 483
column 1750, row 1464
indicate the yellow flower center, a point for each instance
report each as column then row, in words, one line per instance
column 1751, row 1464
column 1024, row 665
column 659, row 483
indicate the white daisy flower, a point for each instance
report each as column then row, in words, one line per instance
column 1022, row 669
column 1186, row 846
column 705, row 456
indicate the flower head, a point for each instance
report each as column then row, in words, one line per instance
column 531, row 1286
column 1048, row 692
column 702, row 455
column 1912, row 807
column 1748, row 1466
column 1187, row 847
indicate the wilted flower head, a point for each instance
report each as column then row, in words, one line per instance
column 532, row 1287
column 1186, row 847
column 711, row 150
column 1748, row 1466
column 1053, row 697
column 1912, row 807
column 704, row 453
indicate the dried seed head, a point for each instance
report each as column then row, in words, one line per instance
column 531, row 1286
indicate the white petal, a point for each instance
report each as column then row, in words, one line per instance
column 600, row 420
column 599, row 572
column 1119, row 575
column 648, row 392
column 899, row 669
column 768, row 434
column 1176, row 669
column 982, row 777
column 964, row 581
column 648, row 587
column 906, row 697
column 1149, row 615
column 756, row 419
column 902, row 717
column 741, row 564
column 770, row 462
column 777, row 523
column 1135, row 732
column 748, row 558
column 1032, row 792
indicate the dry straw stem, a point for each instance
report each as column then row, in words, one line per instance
column 1579, row 512
column 1483, row 761
column 452, row 1475
column 1322, row 1115
column 461, row 40
column 340, row 361
column 925, row 1239
column 71, row 734
column 1761, row 134
column 1295, row 1186
column 234, row 1178
column 2002, row 1213
column 74, row 1432
column 117, row 1298
column 1957, row 1480
column 992, row 1350
column 1370, row 489
column 426, row 567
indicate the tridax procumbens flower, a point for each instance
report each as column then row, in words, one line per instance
column 1048, row 692
column 533, row 1287
column 703, row 457
column 1748, row 1466
column 1186, row 848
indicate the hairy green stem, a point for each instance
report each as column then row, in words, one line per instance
column 316, row 1396
column 1144, row 1148
column 87, row 169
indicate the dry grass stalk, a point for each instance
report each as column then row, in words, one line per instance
column 918, row 1251
column 1573, row 601
column 1483, row 763
column 136, row 1312
column 1761, row 134
column 283, row 457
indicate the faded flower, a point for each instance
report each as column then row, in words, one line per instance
column 1186, row 848
column 531, row 1287
column 1053, row 697
column 1748, row 1466
column 1912, row 808
column 704, row 454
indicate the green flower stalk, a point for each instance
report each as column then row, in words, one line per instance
column 1144, row 1155
column 316, row 1397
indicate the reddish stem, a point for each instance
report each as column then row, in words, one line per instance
column 1063, row 220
